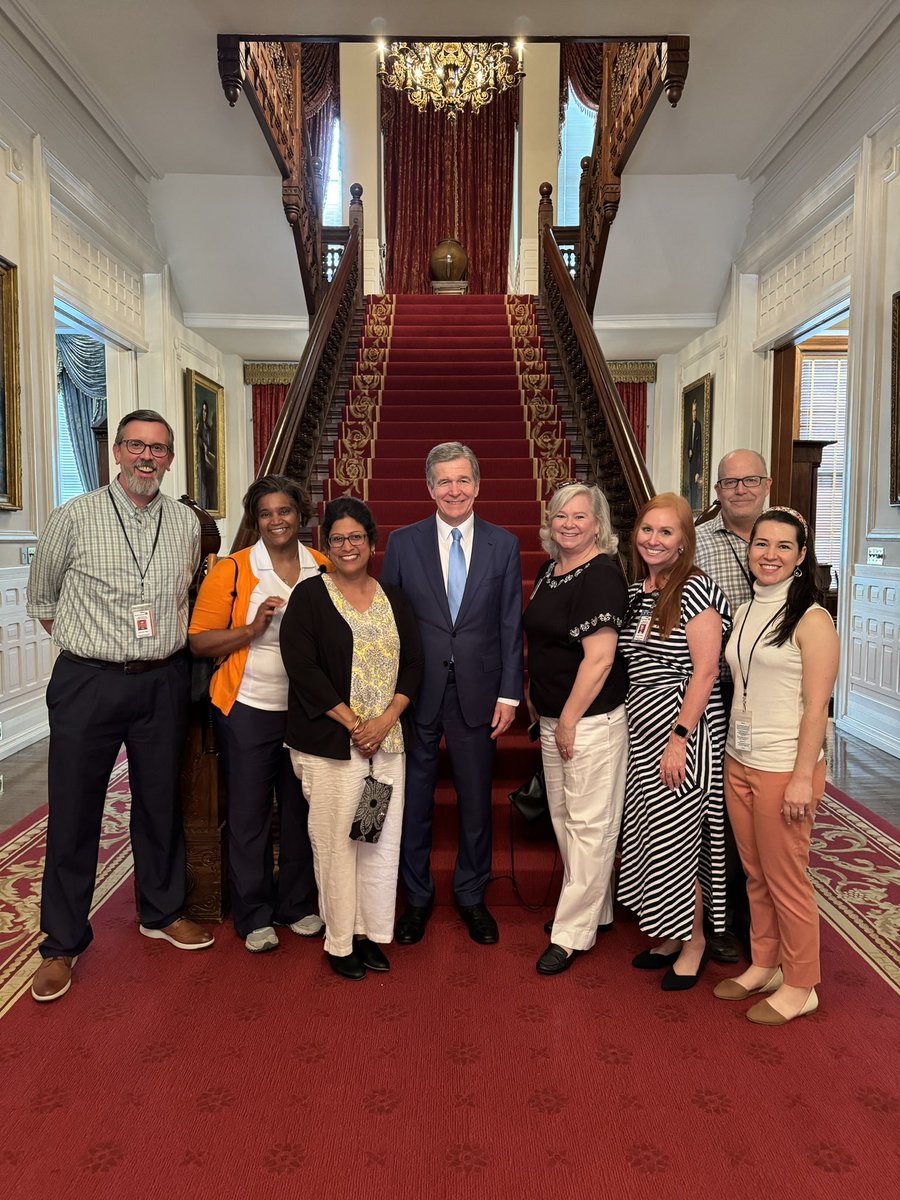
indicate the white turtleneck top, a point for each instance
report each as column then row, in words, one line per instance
column 774, row 686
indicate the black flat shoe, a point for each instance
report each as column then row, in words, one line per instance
column 683, row 983
column 724, row 947
column 648, row 961
column 481, row 925
column 548, row 927
column 372, row 956
column 410, row 927
column 348, row 966
column 554, row 960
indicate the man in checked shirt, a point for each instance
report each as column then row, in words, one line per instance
column 742, row 488
column 109, row 583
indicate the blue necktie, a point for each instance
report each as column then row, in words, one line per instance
column 456, row 575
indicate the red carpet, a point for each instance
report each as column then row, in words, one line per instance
column 462, row 1073
column 469, row 369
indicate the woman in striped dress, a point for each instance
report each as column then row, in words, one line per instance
column 673, row 843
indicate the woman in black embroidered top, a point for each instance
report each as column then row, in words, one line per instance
column 577, row 689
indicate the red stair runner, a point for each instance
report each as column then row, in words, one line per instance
column 468, row 369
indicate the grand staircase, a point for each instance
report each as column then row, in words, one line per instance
column 468, row 369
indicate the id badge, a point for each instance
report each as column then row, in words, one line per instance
column 143, row 623
column 642, row 633
column 743, row 731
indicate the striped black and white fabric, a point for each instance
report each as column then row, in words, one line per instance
column 670, row 839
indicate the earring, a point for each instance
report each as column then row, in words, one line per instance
column 798, row 574
column 681, row 549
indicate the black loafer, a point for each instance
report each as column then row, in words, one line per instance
column 373, row 957
column 348, row 966
column 410, row 927
column 554, row 960
column 724, row 947
column 648, row 961
column 548, row 927
column 481, row 925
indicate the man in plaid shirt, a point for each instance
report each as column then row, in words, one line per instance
column 742, row 489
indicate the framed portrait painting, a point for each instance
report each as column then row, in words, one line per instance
column 10, row 461
column 205, row 410
column 696, row 439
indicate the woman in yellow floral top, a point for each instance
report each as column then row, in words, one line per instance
column 353, row 656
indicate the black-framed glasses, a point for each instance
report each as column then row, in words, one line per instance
column 355, row 539
column 136, row 446
column 749, row 481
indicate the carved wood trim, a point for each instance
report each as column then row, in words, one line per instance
column 632, row 370
column 614, row 459
column 269, row 372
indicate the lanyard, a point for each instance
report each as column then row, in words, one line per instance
column 746, row 574
column 141, row 572
column 745, row 675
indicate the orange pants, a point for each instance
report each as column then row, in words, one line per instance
column 784, row 920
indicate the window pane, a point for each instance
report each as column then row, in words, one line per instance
column 332, row 214
column 68, row 480
column 823, row 411
column 576, row 142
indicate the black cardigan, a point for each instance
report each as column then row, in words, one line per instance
column 317, row 648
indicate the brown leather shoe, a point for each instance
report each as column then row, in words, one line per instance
column 53, row 978
column 182, row 933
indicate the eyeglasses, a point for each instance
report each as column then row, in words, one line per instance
column 355, row 539
column 135, row 446
column 749, row 481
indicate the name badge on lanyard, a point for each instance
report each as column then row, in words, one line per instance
column 742, row 723
column 642, row 633
column 143, row 623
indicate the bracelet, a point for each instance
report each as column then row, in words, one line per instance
column 359, row 722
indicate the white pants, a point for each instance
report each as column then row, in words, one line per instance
column 357, row 881
column 585, row 795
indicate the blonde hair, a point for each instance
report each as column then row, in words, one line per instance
column 607, row 541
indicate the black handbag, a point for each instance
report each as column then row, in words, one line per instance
column 531, row 798
column 371, row 810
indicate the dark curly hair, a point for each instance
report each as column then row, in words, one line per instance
column 348, row 506
column 266, row 485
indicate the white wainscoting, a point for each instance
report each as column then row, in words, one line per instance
column 26, row 659
column 872, row 660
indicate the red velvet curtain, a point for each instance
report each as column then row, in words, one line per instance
column 268, row 401
column 446, row 178
column 320, row 84
column 634, row 401
column 581, row 65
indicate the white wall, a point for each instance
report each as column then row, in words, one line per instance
column 538, row 149
column 360, row 150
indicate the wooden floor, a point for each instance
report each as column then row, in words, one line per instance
column 864, row 773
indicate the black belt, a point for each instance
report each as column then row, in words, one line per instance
column 135, row 667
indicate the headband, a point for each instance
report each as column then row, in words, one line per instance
column 782, row 508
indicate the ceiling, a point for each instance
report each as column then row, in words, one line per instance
column 150, row 70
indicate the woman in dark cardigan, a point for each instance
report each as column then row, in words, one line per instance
column 353, row 656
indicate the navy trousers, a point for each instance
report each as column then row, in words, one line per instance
column 92, row 713
column 257, row 766
column 471, row 752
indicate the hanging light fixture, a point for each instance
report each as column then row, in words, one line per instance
column 450, row 75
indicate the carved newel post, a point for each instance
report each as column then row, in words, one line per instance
column 544, row 221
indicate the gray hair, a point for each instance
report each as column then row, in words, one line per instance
column 447, row 452
column 145, row 414
column 607, row 541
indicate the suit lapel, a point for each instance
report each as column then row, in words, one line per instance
column 431, row 564
column 482, row 551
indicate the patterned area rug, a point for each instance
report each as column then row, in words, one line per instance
column 21, row 865
column 855, row 868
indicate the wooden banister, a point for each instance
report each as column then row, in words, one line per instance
column 609, row 442
column 301, row 422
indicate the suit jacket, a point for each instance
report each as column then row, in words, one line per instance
column 485, row 643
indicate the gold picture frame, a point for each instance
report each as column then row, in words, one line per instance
column 205, row 412
column 895, row 398
column 696, row 440
column 10, row 454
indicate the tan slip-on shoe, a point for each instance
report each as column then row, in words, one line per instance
column 730, row 989
column 764, row 1014
column 53, row 978
column 183, row 934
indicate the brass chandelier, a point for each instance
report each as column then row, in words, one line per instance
column 450, row 75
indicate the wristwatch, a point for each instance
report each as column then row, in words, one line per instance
column 680, row 730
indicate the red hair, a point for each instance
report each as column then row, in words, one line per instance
column 667, row 610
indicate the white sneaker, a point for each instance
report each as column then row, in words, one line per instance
column 309, row 926
column 261, row 939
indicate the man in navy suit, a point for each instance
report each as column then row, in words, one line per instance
column 473, row 679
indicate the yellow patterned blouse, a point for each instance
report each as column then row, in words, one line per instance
column 376, row 658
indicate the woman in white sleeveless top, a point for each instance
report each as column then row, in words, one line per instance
column 783, row 655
